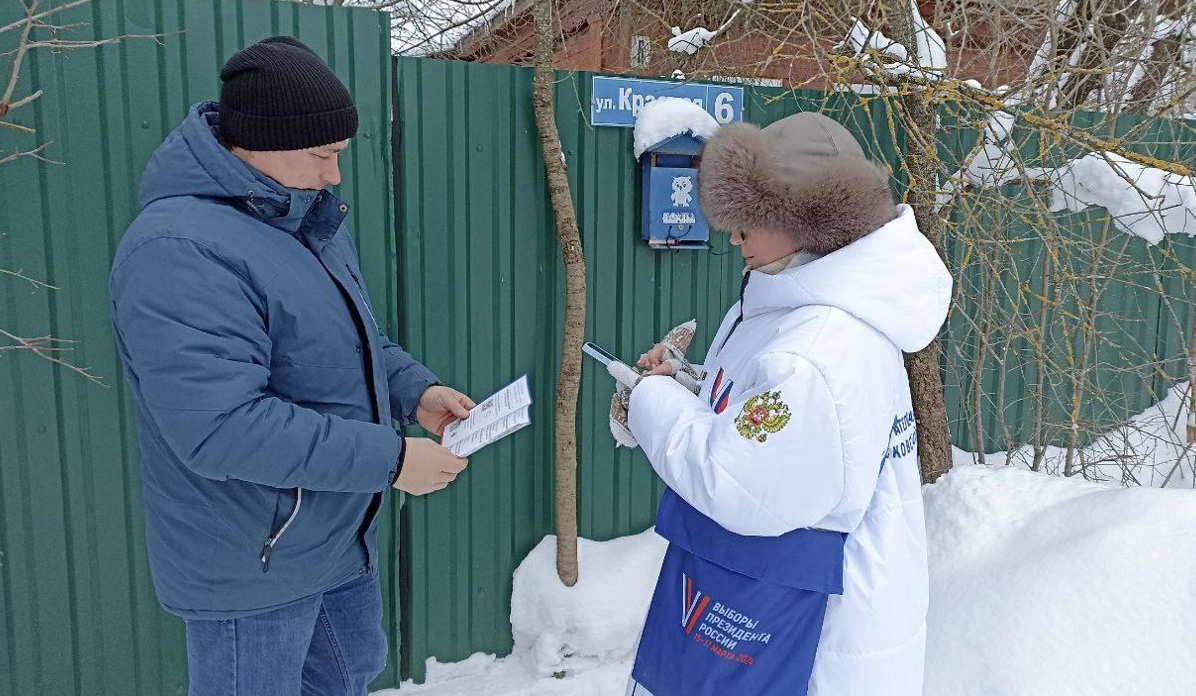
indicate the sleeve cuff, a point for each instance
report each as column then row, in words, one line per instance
column 384, row 448
column 394, row 476
column 424, row 380
column 652, row 397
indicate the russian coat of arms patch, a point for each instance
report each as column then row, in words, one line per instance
column 762, row 415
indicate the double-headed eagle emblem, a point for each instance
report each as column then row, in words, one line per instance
column 762, row 415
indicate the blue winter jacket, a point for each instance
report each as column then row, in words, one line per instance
column 264, row 388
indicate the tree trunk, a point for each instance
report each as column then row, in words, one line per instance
column 569, row 380
column 1040, row 359
column 925, row 373
column 1107, row 21
column 1191, row 429
column 1164, row 55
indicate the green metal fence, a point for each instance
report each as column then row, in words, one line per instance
column 481, row 282
column 78, row 612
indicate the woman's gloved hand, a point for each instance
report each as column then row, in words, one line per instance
column 665, row 358
column 656, row 361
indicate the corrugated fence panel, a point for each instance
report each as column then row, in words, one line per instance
column 78, row 609
column 481, row 289
column 478, row 278
column 1140, row 351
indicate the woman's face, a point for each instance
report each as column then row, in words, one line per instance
column 762, row 247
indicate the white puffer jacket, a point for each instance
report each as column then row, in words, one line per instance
column 800, row 408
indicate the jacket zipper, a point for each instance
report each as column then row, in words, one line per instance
column 739, row 319
column 271, row 540
column 361, row 295
column 375, row 503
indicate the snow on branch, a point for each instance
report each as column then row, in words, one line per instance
column 929, row 60
column 690, row 41
column 860, row 39
column 422, row 27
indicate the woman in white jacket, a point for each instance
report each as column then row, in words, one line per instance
column 797, row 551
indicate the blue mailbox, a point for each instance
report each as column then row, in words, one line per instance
column 671, row 216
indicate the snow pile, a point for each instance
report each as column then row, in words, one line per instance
column 587, row 632
column 1145, row 201
column 661, row 119
column 1044, row 585
column 1149, row 450
column 597, row 620
column 486, row 675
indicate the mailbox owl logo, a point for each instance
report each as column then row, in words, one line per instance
column 683, row 187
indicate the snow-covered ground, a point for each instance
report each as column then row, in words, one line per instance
column 1040, row 585
column 1060, row 587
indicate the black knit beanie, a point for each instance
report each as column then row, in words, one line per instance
column 279, row 95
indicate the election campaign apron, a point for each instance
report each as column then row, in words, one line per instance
column 735, row 614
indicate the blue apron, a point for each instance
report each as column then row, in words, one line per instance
column 735, row 614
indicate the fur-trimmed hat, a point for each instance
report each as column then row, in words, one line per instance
column 804, row 176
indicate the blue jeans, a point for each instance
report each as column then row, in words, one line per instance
column 330, row 643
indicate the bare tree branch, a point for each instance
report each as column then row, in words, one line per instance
column 31, row 17
column 34, row 153
column 22, row 48
column 47, row 347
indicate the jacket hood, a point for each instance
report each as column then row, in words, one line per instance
column 891, row 279
column 191, row 161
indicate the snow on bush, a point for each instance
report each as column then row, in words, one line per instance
column 1150, row 449
column 1145, row 201
column 665, row 117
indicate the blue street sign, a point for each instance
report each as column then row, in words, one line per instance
column 617, row 100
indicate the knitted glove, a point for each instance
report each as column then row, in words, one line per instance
column 676, row 343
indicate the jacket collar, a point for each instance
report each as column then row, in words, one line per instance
column 193, row 162
column 891, row 279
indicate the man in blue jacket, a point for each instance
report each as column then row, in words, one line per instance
column 265, row 391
